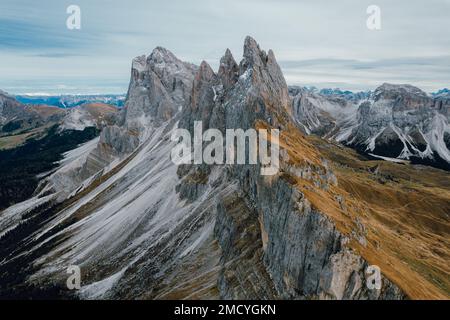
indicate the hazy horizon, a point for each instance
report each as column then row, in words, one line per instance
column 94, row 93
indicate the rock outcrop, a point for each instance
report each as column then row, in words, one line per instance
column 159, row 87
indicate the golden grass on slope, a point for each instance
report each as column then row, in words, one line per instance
column 45, row 111
column 396, row 215
column 405, row 210
column 98, row 108
column 16, row 140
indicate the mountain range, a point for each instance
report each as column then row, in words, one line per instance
column 141, row 227
column 69, row 101
column 33, row 138
column 395, row 122
column 23, row 120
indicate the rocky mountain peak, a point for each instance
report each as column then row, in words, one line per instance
column 392, row 91
column 160, row 86
column 204, row 72
column 163, row 61
column 162, row 54
column 253, row 55
column 202, row 92
column 239, row 96
column 267, row 79
column 139, row 63
column 228, row 70
column 201, row 105
column 228, row 55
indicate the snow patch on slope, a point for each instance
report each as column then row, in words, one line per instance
column 133, row 212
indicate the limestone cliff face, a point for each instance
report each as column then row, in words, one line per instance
column 159, row 87
column 142, row 227
column 274, row 245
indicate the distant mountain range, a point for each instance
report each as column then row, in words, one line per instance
column 442, row 92
column 118, row 100
column 17, row 117
column 33, row 138
column 352, row 95
column 394, row 122
column 69, row 101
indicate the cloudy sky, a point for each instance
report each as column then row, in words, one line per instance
column 321, row 43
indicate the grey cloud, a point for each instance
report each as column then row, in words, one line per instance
column 321, row 42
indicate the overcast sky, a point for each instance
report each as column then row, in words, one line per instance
column 320, row 43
